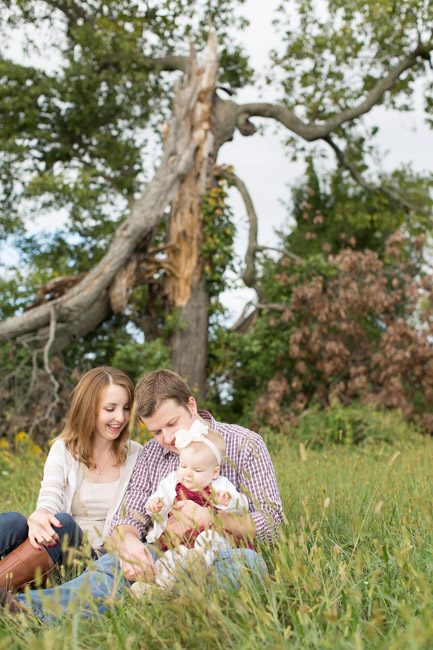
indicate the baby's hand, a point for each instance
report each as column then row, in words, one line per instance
column 154, row 505
column 223, row 498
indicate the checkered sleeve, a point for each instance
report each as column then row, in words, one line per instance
column 132, row 510
column 259, row 484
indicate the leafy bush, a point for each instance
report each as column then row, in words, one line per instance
column 135, row 359
column 348, row 425
column 346, row 327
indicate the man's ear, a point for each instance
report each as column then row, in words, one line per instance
column 192, row 405
column 216, row 472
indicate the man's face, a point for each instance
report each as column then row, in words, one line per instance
column 168, row 418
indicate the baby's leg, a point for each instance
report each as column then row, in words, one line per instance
column 166, row 569
column 209, row 543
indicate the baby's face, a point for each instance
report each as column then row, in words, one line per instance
column 197, row 469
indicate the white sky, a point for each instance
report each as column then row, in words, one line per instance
column 262, row 164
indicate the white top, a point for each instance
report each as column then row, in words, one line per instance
column 63, row 475
column 167, row 493
column 90, row 507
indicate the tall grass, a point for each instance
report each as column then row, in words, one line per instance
column 352, row 569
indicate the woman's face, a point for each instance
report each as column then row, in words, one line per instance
column 113, row 412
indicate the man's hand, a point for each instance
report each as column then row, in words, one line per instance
column 186, row 515
column 41, row 532
column 134, row 559
column 154, row 505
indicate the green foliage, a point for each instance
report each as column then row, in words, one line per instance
column 333, row 212
column 235, row 71
column 135, row 359
column 21, row 464
column 353, row 424
column 339, row 317
column 88, row 116
column 218, row 236
column 334, row 55
column 77, row 139
column 74, row 139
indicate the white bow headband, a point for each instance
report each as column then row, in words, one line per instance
column 198, row 432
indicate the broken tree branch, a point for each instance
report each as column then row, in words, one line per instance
column 312, row 131
column 249, row 275
column 389, row 191
column 85, row 305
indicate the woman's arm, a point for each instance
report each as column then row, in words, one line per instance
column 50, row 499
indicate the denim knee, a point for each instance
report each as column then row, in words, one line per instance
column 68, row 529
column 13, row 531
column 237, row 564
column 255, row 562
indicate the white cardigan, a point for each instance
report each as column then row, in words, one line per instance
column 63, row 475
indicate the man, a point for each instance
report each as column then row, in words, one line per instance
column 164, row 405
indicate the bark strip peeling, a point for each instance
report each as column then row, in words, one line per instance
column 185, row 291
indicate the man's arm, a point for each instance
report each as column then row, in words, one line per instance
column 132, row 510
column 187, row 514
column 130, row 523
column 234, row 518
column 134, row 558
column 259, row 484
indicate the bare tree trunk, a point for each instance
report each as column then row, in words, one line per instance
column 185, row 290
column 189, row 341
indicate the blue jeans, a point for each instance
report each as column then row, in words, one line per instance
column 102, row 584
column 14, row 531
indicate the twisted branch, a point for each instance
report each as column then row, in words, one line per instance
column 358, row 178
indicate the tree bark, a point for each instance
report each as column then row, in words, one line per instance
column 189, row 341
column 185, row 290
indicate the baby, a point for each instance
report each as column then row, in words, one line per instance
column 197, row 479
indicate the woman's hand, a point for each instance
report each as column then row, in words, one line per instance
column 41, row 532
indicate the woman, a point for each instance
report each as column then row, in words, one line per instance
column 85, row 477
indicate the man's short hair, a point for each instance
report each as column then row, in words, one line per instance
column 156, row 387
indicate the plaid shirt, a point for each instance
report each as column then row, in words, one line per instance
column 248, row 466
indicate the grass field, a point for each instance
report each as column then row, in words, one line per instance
column 353, row 568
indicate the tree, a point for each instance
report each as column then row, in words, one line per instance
column 346, row 313
column 74, row 138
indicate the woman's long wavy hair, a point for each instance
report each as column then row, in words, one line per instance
column 78, row 434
